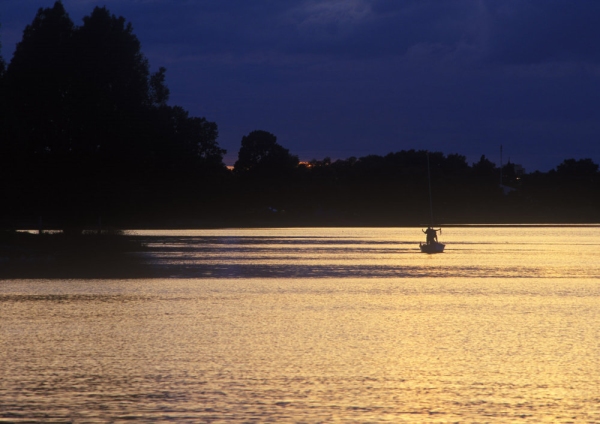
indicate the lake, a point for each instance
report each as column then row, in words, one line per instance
column 315, row 325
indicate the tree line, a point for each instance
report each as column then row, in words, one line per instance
column 88, row 139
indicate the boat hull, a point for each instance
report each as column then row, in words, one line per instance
column 434, row 247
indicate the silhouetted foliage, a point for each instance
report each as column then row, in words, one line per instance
column 484, row 169
column 580, row 169
column 261, row 155
column 88, row 131
column 159, row 92
column 39, row 81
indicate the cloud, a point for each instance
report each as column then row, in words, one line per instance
column 532, row 32
column 331, row 15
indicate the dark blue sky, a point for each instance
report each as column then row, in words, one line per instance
column 343, row 78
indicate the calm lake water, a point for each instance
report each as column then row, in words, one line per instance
column 315, row 325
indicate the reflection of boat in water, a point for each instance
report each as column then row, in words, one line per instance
column 433, row 247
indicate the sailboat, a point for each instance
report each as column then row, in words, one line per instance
column 431, row 246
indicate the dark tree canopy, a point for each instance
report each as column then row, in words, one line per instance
column 39, row 84
column 456, row 164
column 86, row 126
column 484, row 166
column 77, row 89
column 193, row 140
column 107, row 45
column 261, row 154
column 159, row 92
column 577, row 168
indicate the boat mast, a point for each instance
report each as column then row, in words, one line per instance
column 430, row 199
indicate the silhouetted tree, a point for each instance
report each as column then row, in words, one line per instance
column 266, row 176
column 509, row 174
column 87, row 127
column 39, row 81
column 38, row 113
column 484, row 169
column 456, row 165
column 113, row 85
column 159, row 92
column 571, row 168
column 260, row 154
column 187, row 140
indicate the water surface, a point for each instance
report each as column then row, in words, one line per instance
column 315, row 325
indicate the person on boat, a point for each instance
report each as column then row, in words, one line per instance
column 431, row 235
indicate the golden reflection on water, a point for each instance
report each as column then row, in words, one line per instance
column 463, row 336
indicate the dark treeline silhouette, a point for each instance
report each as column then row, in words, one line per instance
column 88, row 139
column 393, row 190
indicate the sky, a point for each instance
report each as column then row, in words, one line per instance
column 342, row 78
